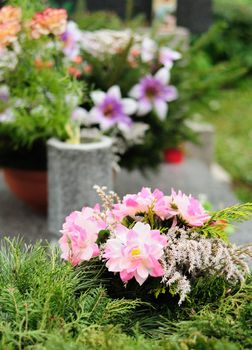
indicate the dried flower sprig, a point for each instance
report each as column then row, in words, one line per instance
column 108, row 199
column 188, row 257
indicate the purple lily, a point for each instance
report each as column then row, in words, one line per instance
column 111, row 109
column 153, row 92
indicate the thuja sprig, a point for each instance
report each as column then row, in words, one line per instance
column 220, row 222
column 238, row 213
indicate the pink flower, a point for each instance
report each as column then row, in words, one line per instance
column 188, row 208
column 143, row 202
column 10, row 14
column 10, row 26
column 80, row 233
column 135, row 252
column 49, row 21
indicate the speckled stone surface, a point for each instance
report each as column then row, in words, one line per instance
column 192, row 176
column 73, row 170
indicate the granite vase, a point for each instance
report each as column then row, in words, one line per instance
column 73, row 170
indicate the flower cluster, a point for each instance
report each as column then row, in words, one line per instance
column 149, row 235
column 10, row 25
column 49, row 21
column 122, row 109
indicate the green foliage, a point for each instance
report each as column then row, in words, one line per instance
column 28, row 6
column 92, row 21
column 238, row 213
column 46, row 304
column 233, row 42
column 221, row 58
column 230, row 112
column 228, row 43
column 216, row 227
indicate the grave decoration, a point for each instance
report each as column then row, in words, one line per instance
column 132, row 97
column 156, row 247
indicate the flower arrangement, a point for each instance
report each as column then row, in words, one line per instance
column 37, row 94
column 139, row 72
column 162, row 244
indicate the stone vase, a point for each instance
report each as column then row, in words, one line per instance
column 73, row 170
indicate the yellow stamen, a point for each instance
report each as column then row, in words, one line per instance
column 135, row 251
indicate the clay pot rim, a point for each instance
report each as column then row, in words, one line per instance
column 24, row 173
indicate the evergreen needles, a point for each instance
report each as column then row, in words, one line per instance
column 46, row 304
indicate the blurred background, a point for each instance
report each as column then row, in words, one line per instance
column 212, row 43
column 220, row 41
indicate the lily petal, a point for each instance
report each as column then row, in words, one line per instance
column 144, row 107
column 163, row 75
column 115, row 92
column 161, row 108
column 97, row 97
column 135, row 92
column 129, row 106
column 171, row 93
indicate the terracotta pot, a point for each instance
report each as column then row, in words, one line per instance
column 173, row 155
column 28, row 185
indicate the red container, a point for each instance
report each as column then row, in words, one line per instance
column 28, row 185
column 173, row 155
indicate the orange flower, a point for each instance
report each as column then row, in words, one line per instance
column 50, row 21
column 77, row 59
column 9, row 14
column 9, row 24
column 88, row 68
column 135, row 52
column 74, row 72
column 40, row 64
column 8, row 33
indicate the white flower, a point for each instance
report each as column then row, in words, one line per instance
column 167, row 56
column 71, row 39
column 81, row 116
column 6, row 116
column 148, row 50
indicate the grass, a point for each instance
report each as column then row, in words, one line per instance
column 231, row 113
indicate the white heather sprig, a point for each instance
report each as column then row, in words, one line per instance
column 108, row 199
column 189, row 255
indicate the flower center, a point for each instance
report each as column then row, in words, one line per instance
column 151, row 91
column 135, row 252
column 108, row 110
